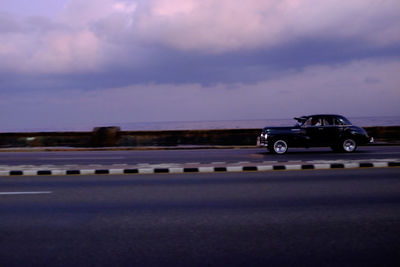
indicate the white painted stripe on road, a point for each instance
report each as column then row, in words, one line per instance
column 176, row 170
column 146, row 171
column 265, row 167
column 234, row 169
column 116, row 171
column 25, row 193
column 351, row 165
column 322, row 166
column 87, row 172
column 293, row 167
column 58, row 172
column 380, row 164
column 206, row 169
column 30, row 172
column 4, row 173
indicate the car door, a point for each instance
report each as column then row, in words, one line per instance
column 331, row 131
column 314, row 131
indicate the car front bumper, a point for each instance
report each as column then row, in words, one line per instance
column 262, row 141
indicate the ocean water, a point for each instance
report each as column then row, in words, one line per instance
column 204, row 125
column 247, row 124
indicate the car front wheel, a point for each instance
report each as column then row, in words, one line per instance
column 348, row 145
column 279, row 147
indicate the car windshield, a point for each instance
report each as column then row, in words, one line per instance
column 299, row 122
column 343, row 121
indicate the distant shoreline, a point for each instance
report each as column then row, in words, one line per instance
column 200, row 125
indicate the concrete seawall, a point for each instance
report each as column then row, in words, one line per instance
column 114, row 137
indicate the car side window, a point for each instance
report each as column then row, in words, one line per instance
column 313, row 122
column 329, row 122
column 316, row 122
column 308, row 122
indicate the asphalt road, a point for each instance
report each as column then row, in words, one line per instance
column 199, row 155
column 302, row 218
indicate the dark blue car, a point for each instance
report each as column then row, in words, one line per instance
column 319, row 130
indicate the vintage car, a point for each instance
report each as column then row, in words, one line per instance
column 334, row 131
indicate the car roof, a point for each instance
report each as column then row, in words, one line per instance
column 322, row 115
column 304, row 118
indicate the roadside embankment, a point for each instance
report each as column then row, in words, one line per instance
column 114, row 137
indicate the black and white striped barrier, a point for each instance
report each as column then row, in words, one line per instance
column 203, row 169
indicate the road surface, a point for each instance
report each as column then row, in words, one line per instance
column 302, row 218
column 199, row 155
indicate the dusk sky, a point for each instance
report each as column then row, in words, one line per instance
column 103, row 62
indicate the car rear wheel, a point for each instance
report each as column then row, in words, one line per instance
column 348, row 145
column 279, row 147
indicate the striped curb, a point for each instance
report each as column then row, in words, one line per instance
column 202, row 169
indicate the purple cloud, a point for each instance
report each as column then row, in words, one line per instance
column 332, row 89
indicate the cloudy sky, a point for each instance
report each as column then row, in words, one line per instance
column 98, row 62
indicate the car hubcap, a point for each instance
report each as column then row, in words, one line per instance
column 349, row 145
column 280, row 147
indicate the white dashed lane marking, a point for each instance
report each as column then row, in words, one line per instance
column 25, row 193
